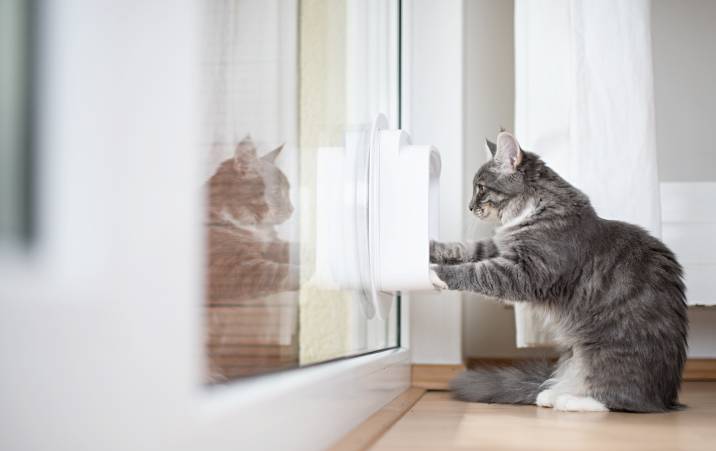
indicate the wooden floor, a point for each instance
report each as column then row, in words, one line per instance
column 437, row 422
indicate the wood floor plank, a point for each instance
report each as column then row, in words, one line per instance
column 437, row 422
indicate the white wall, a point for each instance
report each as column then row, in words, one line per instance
column 684, row 52
column 432, row 113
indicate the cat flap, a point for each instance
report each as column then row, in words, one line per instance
column 374, row 224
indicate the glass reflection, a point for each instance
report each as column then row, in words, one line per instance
column 250, row 271
column 284, row 83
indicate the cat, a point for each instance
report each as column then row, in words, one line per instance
column 248, row 196
column 613, row 294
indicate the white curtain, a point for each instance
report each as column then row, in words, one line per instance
column 584, row 102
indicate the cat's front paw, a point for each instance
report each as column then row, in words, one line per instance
column 435, row 254
column 437, row 282
column 446, row 253
column 546, row 398
column 571, row 403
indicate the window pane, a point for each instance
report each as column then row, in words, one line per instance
column 291, row 89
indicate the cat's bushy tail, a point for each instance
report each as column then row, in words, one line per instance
column 519, row 384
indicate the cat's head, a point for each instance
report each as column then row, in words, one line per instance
column 502, row 180
column 250, row 190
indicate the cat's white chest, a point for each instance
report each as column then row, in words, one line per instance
column 258, row 233
column 519, row 218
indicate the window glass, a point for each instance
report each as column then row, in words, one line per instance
column 290, row 91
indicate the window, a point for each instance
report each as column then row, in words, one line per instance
column 287, row 86
column 109, row 302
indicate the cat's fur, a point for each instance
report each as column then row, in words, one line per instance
column 248, row 197
column 613, row 294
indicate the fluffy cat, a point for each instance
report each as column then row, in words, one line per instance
column 613, row 294
column 248, row 197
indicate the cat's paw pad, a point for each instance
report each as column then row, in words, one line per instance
column 571, row 403
column 437, row 282
column 546, row 398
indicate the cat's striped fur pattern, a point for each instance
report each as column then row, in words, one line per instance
column 613, row 293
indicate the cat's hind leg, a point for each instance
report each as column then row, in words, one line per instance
column 568, row 390
column 571, row 403
column 546, row 398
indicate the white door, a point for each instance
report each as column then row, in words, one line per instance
column 112, row 335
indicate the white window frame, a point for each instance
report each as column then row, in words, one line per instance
column 432, row 111
column 100, row 333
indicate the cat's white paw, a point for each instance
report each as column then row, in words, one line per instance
column 546, row 398
column 571, row 403
column 437, row 282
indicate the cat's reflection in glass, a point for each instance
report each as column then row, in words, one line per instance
column 251, row 276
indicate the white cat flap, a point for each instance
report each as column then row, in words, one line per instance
column 377, row 203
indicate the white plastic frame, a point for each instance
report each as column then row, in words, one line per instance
column 100, row 330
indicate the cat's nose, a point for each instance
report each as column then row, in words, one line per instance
column 471, row 206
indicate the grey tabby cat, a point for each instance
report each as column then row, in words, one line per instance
column 613, row 294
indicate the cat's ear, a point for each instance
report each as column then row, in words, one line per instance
column 271, row 156
column 509, row 154
column 490, row 148
column 245, row 153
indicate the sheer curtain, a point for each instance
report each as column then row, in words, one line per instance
column 584, row 102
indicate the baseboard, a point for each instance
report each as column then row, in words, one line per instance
column 434, row 377
column 437, row 377
column 700, row 370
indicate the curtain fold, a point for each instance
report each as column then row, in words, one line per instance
column 584, row 102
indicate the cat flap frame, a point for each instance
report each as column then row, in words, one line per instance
column 377, row 197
